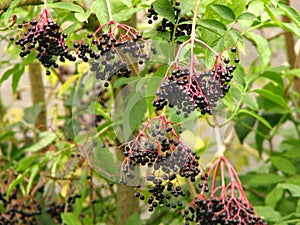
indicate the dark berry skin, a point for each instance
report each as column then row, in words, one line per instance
column 43, row 35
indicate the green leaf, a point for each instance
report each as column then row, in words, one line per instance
column 16, row 78
column 248, row 16
column 292, row 188
column 15, row 182
column 134, row 113
column 223, row 11
column 255, row 115
column 83, row 16
column 66, row 5
column 124, row 81
column 265, row 179
column 68, row 83
column 263, row 48
column 134, row 219
column 7, row 14
column 31, row 113
column 25, row 163
column 164, row 9
column 290, row 12
column 212, row 25
column 250, row 102
column 9, row 72
column 277, row 99
column 274, row 196
column 100, row 9
column 268, row 213
column 128, row 3
column 106, row 162
column 187, row 6
column 34, row 171
column 45, row 138
column 243, row 127
column 283, row 164
column 292, row 153
column 69, row 219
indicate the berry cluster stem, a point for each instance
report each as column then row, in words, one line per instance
column 109, row 10
column 193, row 34
column 45, row 4
column 218, row 141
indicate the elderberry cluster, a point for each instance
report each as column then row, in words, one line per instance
column 191, row 90
column 214, row 211
column 113, row 51
column 160, row 150
column 179, row 28
column 226, row 203
column 44, row 35
column 17, row 211
column 55, row 209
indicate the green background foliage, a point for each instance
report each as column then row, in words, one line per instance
column 261, row 121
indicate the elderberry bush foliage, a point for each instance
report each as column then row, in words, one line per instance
column 164, row 158
column 112, row 52
column 178, row 27
column 16, row 210
column 188, row 90
column 226, row 203
column 44, row 35
column 55, row 209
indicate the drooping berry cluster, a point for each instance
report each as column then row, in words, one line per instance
column 226, row 204
column 44, row 35
column 189, row 88
column 16, row 210
column 55, row 209
column 178, row 28
column 159, row 149
column 114, row 50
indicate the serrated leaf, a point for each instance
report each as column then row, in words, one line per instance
column 164, row 9
column 283, row 164
column 274, row 196
column 99, row 7
column 263, row 48
column 212, row 25
column 66, row 5
column 265, row 179
column 223, row 11
column 277, row 99
column 290, row 12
